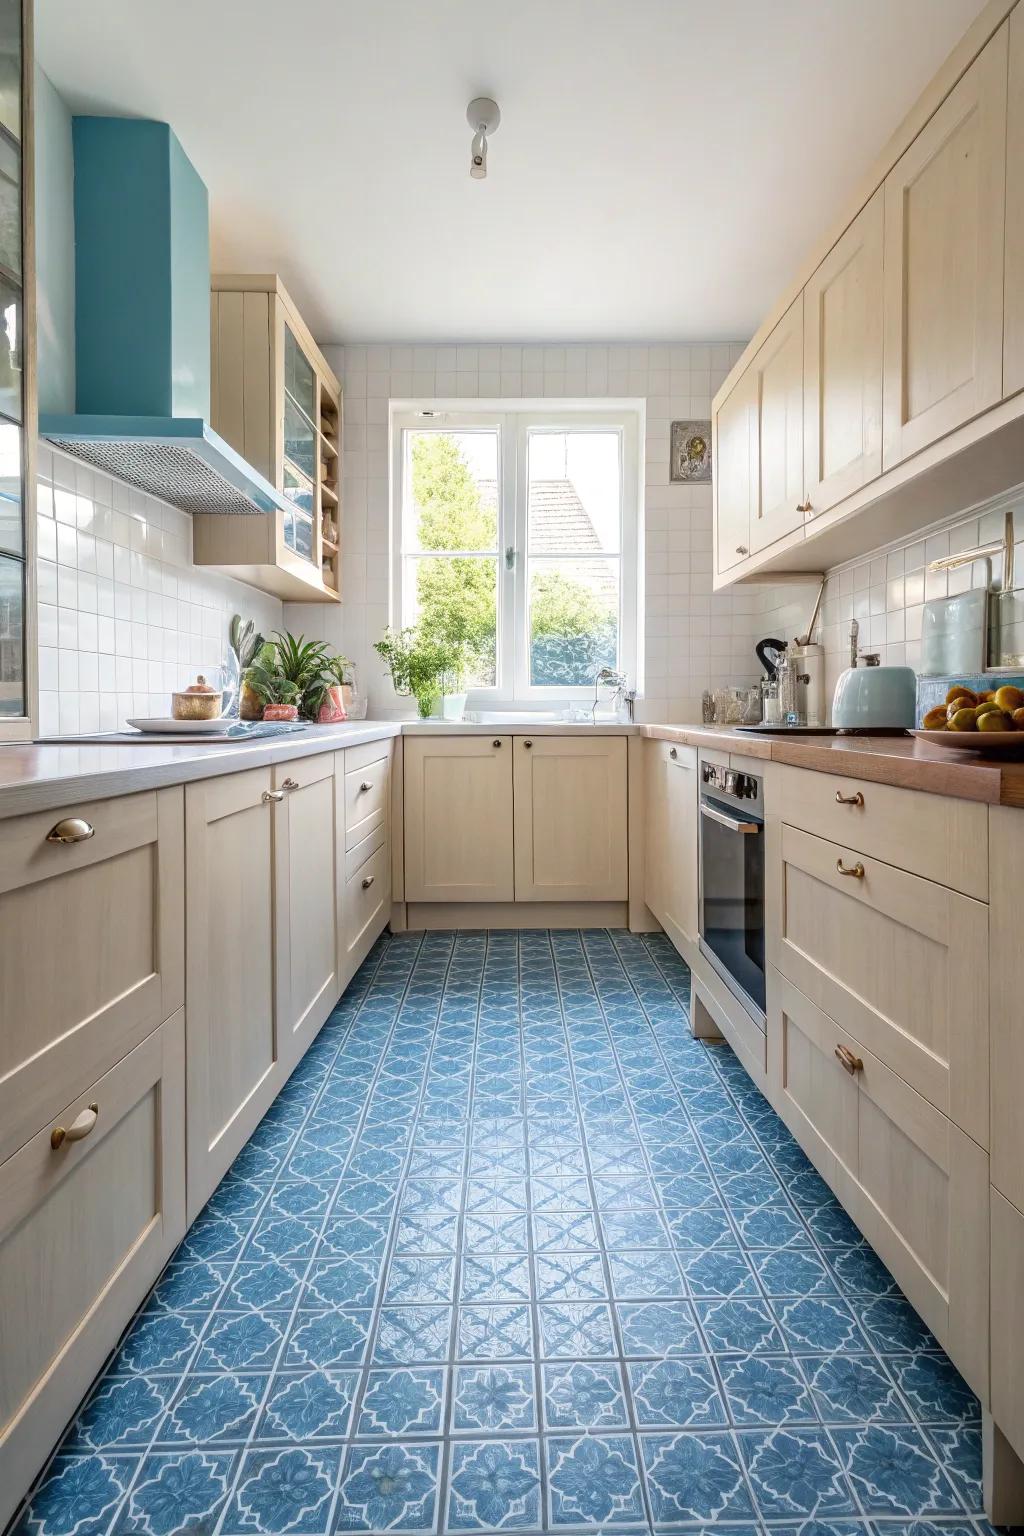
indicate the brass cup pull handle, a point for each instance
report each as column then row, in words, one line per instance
column 856, row 873
column 848, row 1061
column 365, row 785
column 272, row 796
column 527, row 744
column 803, row 506
column 78, row 1130
column 289, row 783
column 368, row 881
column 71, row 830
column 841, row 799
column 496, row 742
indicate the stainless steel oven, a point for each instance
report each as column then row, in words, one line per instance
column 732, row 880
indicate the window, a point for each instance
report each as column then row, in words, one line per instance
column 518, row 531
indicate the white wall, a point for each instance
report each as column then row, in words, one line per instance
column 692, row 639
column 55, row 248
column 124, row 616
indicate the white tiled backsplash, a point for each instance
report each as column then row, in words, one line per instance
column 692, row 638
column 124, row 617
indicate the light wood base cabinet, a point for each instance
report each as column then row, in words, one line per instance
column 85, row 1228
column 671, row 830
column 92, row 946
column 307, row 832
column 570, row 818
column 914, row 1183
column 458, row 818
column 236, row 1056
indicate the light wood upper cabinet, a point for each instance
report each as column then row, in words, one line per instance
column 1013, row 287
column 671, row 821
column 843, row 364
column 736, row 472
column 275, row 399
column 236, row 1055
column 458, row 818
column 307, row 834
column 85, row 1228
column 944, row 207
column 92, row 946
column 779, row 366
column 570, row 818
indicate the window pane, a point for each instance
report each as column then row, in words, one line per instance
column 10, row 350
column 574, row 493
column 574, row 620
column 458, row 596
column 298, row 489
column 12, row 637
column 10, row 67
column 12, row 532
column 298, row 534
column 452, row 496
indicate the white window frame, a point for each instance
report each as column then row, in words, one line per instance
column 514, row 421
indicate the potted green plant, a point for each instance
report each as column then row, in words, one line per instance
column 419, row 665
column 279, row 695
column 246, row 645
column 325, row 697
column 303, row 662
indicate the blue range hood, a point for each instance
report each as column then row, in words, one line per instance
column 142, row 324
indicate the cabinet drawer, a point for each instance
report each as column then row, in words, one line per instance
column 1008, row 1320
column 913, row 1182
column 367, row 906
column 84, row 1231
column 367, row 790
column 91, row 947
column 899, row 961
column 934, row 836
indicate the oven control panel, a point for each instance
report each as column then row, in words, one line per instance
column 727, row 781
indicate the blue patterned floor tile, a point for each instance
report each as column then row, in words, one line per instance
column 283, row 1490
column 78, row 1496
column 653, row 1275
column 420, row 1279
column 893, row 1470
column 576, row 1330
column 178, row 1490
column 212, row 1409
column 326, row 1340
column 766, row 1389
column 584, row 1395
column 795, row 1473
column 658, row 1328
column 389, row 1488
column 494, row 1485
column 123, row 1413
column 676, row 1394
column 307, row 1406
column 594, row 1482
column 493, row 1397
column 852, row 1389
column 570, row 1277
column 694, row 1476
column 403, row 1401
column 495, row 1332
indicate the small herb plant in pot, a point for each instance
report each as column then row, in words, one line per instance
column 278, row 694
column 326, row 699
column 420, row 665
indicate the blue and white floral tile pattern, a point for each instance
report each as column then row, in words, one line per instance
column 513, row 1252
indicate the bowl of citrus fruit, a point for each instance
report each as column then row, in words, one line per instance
column 991, row 720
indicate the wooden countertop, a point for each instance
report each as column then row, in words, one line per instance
column 904, row 761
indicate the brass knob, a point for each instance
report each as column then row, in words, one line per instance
column 364, row 786
column 741, row 549
column 272, row 796
column 527, row 743
column 289, row 784
column 368, row 881
column 496, row 742
column 78, row 1130
column 856, row 873
column 803, row 506
column 841, row 799
column 72, row 830
column 848, row 1061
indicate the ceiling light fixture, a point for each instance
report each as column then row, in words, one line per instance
column 483, row 117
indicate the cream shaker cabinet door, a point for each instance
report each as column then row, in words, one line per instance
column 1013, row 288
column 944, row 219
column 843, row 364
column 90, row 1209
column 307, row 834
column 671, row 812
column 735, row 471
column 570, row 818
column 779, row 504
column 458, row 818
column 236, row 1059
column 92, row 950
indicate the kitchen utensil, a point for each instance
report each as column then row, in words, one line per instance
column 730, row 706
column 987, row 743
column 805, row 639
column 954, row 634
column 869, row 695
column 197, row 702
column 171, row 726
column 769, row 653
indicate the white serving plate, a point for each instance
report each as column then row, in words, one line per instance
column 169, row 727
column 988, row 743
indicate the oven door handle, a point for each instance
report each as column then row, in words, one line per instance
column 729, row 821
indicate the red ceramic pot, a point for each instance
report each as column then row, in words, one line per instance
column 332, row 710
column 280, row 712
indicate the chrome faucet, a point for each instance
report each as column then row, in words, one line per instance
column 623, row 694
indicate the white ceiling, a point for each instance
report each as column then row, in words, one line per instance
column 661, row 167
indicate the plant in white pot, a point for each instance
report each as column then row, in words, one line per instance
column 420, row 666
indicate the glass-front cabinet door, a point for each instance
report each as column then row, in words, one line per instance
column 14, row 706
column 300, row 447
